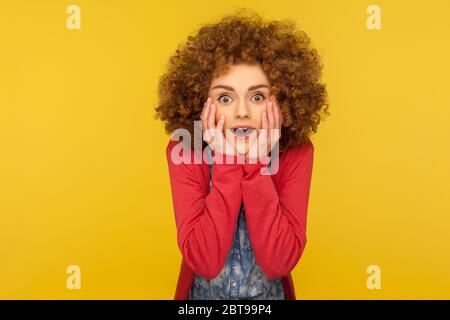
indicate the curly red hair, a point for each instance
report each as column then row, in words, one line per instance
column 285, row 54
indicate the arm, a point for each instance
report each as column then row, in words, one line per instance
column 277, row 220
column 205, row 220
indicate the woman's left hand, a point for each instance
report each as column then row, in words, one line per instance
column 270, row 132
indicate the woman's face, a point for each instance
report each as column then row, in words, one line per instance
column 241, row 95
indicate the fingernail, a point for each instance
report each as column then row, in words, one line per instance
column 222, row 117
column 212, row 106
column 270, row 104
column 209, row 99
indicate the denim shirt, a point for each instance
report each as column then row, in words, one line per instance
column 241, row 277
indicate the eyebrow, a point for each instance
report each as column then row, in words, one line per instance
column 232, row 89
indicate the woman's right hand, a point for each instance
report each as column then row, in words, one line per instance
column 212, row 132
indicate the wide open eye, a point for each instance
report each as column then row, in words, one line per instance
column 258, row 98
column 225, row 99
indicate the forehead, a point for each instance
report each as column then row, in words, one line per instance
column 242, row 76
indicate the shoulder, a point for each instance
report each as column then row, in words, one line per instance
column 295, row 155
column 179, row 148
column 181, row 154
column 295, row 162
column 169, row 147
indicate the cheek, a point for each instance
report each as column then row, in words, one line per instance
column 223, row 110
column 258, row 114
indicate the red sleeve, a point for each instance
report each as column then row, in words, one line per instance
column 205, row 220
column 276, row 220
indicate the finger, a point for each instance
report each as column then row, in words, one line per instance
column 278, row 119
column 204, row 117
column 219, row 138
column 264, row 123
column 211, row 121
column 264, row 133
column 270, row 115
column 264, row 120
column 204, row 109
column 271, row 119
column 276, row 111
column 205, row 112
column 207, row 135
column 221, row 123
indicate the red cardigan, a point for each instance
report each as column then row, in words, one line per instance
column 275, row 207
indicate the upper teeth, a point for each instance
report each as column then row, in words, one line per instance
column 241, row 130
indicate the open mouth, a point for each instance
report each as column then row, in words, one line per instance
column 242, row 133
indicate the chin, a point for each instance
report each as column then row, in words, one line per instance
column 241, row 147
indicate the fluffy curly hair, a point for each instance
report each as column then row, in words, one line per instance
column 285, row 54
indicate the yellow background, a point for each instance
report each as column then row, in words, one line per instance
column 84, row 177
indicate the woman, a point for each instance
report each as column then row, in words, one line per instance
column 240, row 231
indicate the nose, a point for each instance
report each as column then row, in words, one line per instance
column 242, row 110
